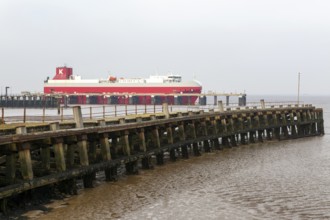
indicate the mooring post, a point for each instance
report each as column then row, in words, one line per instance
column 77, row 115
column 220, row 106
column 166, row 111
column 262, row 103
column 58, row 149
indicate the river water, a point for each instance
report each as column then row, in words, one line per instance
column 273, row 180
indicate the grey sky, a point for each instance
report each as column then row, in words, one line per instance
column 229, row 45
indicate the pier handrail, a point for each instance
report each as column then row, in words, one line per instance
column 107, row 111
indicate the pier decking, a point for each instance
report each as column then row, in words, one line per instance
column 33, row 156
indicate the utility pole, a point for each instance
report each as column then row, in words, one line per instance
column 299, row 87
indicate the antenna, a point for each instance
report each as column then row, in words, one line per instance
column 298, row 87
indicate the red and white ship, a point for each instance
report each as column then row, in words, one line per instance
column 155, row 89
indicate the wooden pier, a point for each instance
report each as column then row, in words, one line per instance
column 40, row 100
column 33, row 156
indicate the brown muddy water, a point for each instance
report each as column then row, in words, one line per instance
column 273, row 180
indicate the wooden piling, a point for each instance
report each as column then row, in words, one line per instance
column 24, row 156
column 58, row 149
column 83, row 152
column 11, row 160
column 156, row 139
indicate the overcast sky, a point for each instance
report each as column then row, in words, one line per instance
column 229, row 45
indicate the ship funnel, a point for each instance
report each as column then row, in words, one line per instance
column 63, row 73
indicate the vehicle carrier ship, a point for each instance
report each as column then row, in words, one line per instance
column 153, row 90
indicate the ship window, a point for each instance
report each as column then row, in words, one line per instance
column 175, row 78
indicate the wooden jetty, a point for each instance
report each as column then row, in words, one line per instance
column 40, row 100
column 33, row 156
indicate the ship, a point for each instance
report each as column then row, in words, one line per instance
column 156, row 89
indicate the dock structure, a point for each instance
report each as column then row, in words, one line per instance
column 33, row 156
column 40, row 100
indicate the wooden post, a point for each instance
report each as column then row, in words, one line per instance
column 220, row 106
column 126, row 147
column 115, row 110
column 43, row 114
column 165, row 110
column 169, row 134
column 83, row 152
column 293, row 126
column 90, row 113
column 103, row 111
column 3, row 115
column 24, row 115
column 25, row 156
column 194, row 136
column 142, row 140
column 70, row 154
column 105, row 147
column 299, row 128
column 11, row 164
column 262, row 103
column 82, row 142
column 181, row 132
column 62, row 114
column 77, row 115
column 155, row 134
column 224, row 126
column 58, row 149
column 104, row 142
